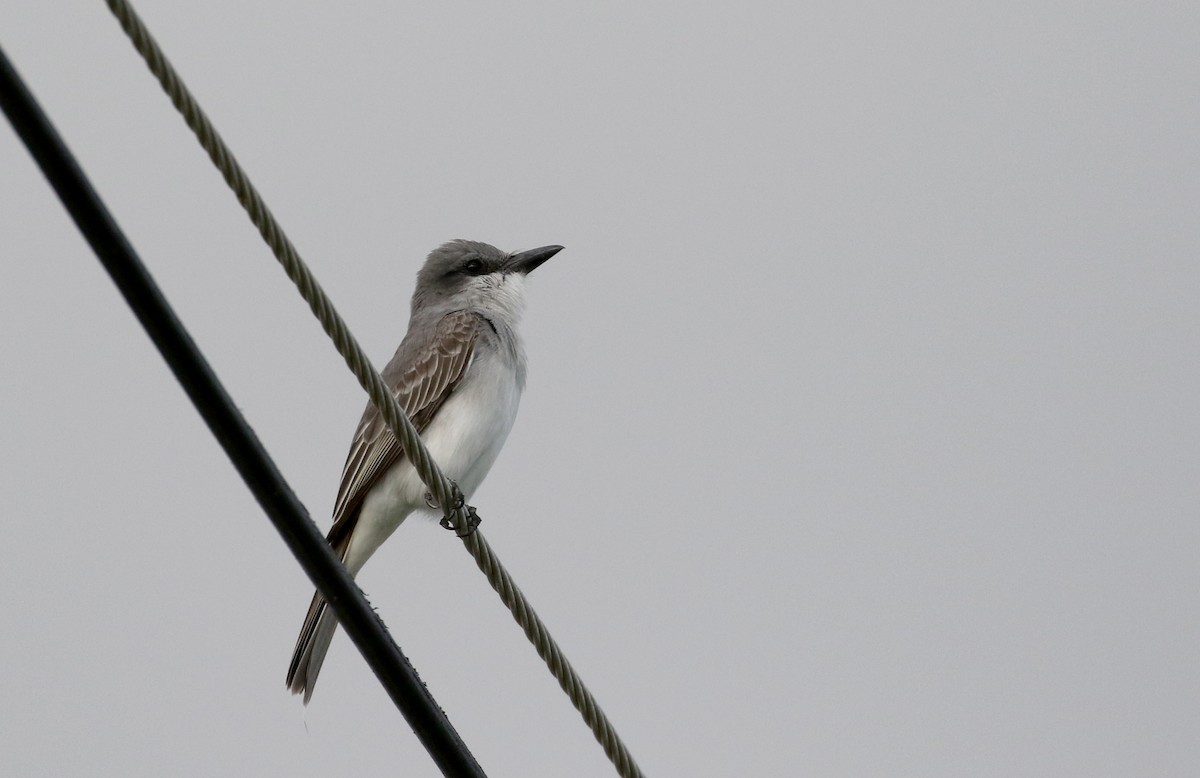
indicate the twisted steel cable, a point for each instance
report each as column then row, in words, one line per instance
column 444, row 491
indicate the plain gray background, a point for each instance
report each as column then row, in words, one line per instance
column 861, row 431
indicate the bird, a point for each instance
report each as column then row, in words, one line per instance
column 458, row 375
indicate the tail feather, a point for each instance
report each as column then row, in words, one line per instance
column 315, row 636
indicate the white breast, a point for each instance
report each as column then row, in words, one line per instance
column 468, row 432
column 464, row 438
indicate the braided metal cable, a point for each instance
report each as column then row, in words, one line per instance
column 552, row 655
column 368, row 377
column 443, row 490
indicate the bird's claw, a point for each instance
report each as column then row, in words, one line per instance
column 459, row 502
column 473, row 522
column 455, row 493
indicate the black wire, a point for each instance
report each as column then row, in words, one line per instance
column 290, row 518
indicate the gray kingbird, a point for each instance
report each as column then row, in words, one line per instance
column 458, row 374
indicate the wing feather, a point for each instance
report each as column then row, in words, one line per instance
column 421, row 377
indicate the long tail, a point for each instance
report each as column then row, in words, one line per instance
column 314, row 640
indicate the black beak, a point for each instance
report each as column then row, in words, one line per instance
column 527, row 261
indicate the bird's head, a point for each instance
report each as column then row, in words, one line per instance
column 469, row 274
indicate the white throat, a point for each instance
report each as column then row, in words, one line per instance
column 500, row 296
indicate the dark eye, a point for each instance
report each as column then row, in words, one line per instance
column 473, row 266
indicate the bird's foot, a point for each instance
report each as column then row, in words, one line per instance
column 455, row 493
column 473, row 522
column 458, row 502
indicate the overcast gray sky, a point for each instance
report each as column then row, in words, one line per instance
column 861, row 433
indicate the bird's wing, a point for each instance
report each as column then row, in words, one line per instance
column 421, row 377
